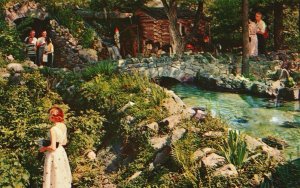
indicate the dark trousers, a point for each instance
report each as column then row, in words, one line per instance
column 261, row 44
column 50, row 60
column 32, row 58
column 40, row 53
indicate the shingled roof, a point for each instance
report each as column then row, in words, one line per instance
column 159, row 13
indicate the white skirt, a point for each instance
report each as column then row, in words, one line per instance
column 57, row 172
column 253, row 45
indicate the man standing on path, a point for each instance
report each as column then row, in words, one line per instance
column 31, row 35
column 30, row 42
column 261, row 29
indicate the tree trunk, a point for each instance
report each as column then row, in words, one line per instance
column 278, row 25
column 178, row 42
column 245, row 26
column 197, row 20
column 299, row 17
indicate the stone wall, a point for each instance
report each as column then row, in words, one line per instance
column 184, row 70
column 220, row 73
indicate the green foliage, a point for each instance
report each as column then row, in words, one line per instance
column 86, row 132
column 87, row 37
column 10, row 42
column 112, row 4
column 235, row 149
column 104, row 67
column 182, row 154
column 67, row 17
column 24, row 101
column 12, row 173
column 226, row 27
column 25, row 25
column 287, row 175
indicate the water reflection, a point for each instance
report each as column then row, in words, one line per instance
column 256, row 116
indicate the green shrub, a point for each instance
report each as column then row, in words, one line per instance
column 12, row 173
column 85, row 132
column 106, row 67
column 24, row 102
column 10, row 41
column 87, row 37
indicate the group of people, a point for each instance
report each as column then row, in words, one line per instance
column 257, row 35
column 40, row 50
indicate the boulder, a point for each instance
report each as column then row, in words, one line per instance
column 129, row 119
column 171, row 121
column 89, row 55
column 197, row 155
column 15, row 67
column 91, row 155
column 200, row 153
column 10, row 58
column 213, row 134
column 253, row 144
column 213, row 160
column 162, row 156
column 228, row 170
column 159, row 142
column 199, row 115
column 134, row 176
column 153, row 126
column 177, row 134
column 4, row 74
column 275, row 142
column 128, row 105
column 31, row 65
column 256, row 180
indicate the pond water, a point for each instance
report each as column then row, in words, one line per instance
column 258, row 117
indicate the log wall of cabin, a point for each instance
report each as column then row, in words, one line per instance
column 158, row 30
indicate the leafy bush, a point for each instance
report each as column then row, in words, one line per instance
column 106, row 67
column 68, row 18
column 10, row 42
column 24, row 101
column 87, row 37
column 12, row 173
column 235, row 149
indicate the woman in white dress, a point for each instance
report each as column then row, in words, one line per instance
column 253, row 39
column 57, row 172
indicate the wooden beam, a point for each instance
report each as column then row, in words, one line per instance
column 102, row 15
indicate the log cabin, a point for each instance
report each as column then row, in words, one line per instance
column 150, row 25
column 154, row 25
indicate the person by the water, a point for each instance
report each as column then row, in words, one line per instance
column 261, row 30
column 253, row 42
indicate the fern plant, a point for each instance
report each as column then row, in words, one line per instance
column 182, row 155
column 235, row 149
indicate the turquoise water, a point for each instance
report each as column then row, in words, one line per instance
column 258, row 117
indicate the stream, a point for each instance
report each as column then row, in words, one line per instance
column 258, row 117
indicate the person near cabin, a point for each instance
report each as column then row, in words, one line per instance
column 41, row 45
column 261, row 31
column 253, row 41
column 49, row 52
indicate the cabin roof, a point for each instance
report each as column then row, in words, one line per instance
column 159, row 13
